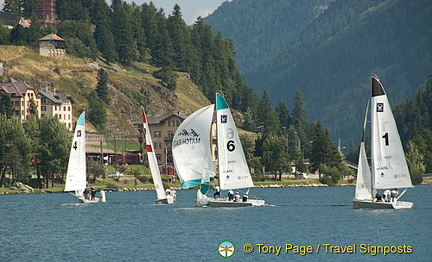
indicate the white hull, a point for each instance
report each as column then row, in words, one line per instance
column 168, row 200
column 224, row 202
column 88, row 201
column 381, row 205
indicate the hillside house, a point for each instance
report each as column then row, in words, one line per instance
column 57, row 104
column 22, row 95
column 52, row 45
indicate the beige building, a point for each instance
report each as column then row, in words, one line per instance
column 162, row 129
column 52, row 45
column 22, row 95
column 57, row 104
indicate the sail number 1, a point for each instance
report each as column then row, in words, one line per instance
column 386, row 139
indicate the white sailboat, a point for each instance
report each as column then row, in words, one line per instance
column 76, row 177
column 192, row 155
column 388, row 170
column 162, row 197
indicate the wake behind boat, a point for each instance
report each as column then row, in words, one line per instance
column 193, row 159
column 388, row 170
column 76, row 177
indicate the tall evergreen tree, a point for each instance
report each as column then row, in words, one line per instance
column 101, row 18
column 102, row 85
column 267, row 116
column 123, row 35
column 6, row 107
column 283, row 114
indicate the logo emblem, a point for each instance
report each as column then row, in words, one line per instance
column 380, row 107
column 79, row 133
column 224, row 119
column 382, row 174
column 226, row 249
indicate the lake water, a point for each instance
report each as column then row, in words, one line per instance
column 129, row 227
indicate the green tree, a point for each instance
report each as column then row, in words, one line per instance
column 267, row 116
column 415, row 163
column 274, row 157
column 101, row 18
column 97, row 114
column 15, row 150
column 6, row 107
column 122, row 29
column 102, row 85
column 283, row 114
column 54, row 148
column 168, row 77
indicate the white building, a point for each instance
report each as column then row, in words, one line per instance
column 57, row 104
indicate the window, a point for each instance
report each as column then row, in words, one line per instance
column 43, row 108
column 17, row 103
column 157, row 134
column 171, row 123
column 68, row 108
column 170, row 134
column 178, row 122
column 158, row 145
column 64, row 108
column 59, row 115
column 55, row 108
column 158, row 157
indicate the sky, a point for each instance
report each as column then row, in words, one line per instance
column 190, row 9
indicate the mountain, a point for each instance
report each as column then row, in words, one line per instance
column 327, row 49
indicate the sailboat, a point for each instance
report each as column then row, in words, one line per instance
column 162, row 197
column 76, row 177
column 388, row 169
column 193, row 160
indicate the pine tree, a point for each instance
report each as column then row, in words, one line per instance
column 6, row 107
column 101, row 18
column 123, row 35
column 102, row 85
column 283, row 114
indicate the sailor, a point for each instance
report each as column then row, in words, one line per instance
column 93, row 193
column 217, row 193
column 174, row 192
column 377, row 198
column 168, row 192
column 393, row 194
column 237, row 197
column 386, row 195
column 245, row 197
column 230, row 195
column 86, row 193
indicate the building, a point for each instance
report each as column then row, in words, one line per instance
column 57, row 104
column 162, row 129
column 22, row 95
column 8, row 19
column 46, row 13
column 51, row 45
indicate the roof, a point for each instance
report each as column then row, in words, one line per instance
column 52, row 37
column 15, row 88
column 158, row 119
column 55, row 97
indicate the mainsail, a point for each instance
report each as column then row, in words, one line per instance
column 389, row 167
column 76, row 171
column 233, row 169
column 191, row 149
column 154, row 168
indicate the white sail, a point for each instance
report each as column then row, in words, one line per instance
column 363, row 188
column 191, row 149
column 154, row 169
column 233, row 169
column 76, row 172
column 389, row 167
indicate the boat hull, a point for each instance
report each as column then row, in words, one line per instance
column 381, row 205
column 168, row 200
column 223, row 202
column 88, row 201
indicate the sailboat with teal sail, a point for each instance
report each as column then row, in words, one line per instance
column 193, row 158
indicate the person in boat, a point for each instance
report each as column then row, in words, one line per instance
column 378, row 198
column 217, row 193
column 93, row 193
column 230, row 195
column 386, row 196
column 393, row 194
column 174, row 193
column 86, row 193
column 237, row 197
column 168, row 192
column 245, row 197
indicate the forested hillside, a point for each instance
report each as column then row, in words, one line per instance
column 328, row 49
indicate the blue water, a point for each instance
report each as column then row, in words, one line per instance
column 129, row 227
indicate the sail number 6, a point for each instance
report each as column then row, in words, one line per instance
column 230, row 145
